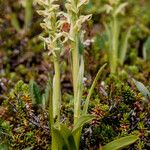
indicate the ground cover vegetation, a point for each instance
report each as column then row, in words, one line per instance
column 74, row 74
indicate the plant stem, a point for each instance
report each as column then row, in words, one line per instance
column 115, row 38
column 51, row 119
column 75, row 70
column 56, row 91
column 75, row 61
column 75, row 66
column 28, row 13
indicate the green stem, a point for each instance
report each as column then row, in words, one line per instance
column 75, row 70
column 115, row 38
column 51, row 119
column 75, row 63
column 56, row 91
column 28, row 13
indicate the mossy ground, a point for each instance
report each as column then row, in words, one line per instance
column 117, row 104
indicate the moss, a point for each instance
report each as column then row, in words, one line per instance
column 21, row 69
column 128, row 95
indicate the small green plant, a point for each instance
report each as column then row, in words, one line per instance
column 53, row 28
column 117, row 48
column 77, row 47
column 36, row 96
column 28, row 4
column 62, row 137
column 143, row 90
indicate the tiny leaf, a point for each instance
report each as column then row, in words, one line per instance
column 141, row 87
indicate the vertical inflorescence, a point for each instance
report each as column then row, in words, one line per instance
column 54, row 43
column 76, row 37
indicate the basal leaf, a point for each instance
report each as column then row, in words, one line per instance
column 64, row 138
column 120, row 143
column 68, row 137
column 58, row 140
column 85, row 108
column 81, row 121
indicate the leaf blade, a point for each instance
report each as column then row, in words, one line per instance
column 81, row 121
column 141, row 87
column 121, row 143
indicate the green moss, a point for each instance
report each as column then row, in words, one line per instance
column 22, row 69
column 128, row 95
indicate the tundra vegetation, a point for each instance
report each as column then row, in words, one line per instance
column 74, row 75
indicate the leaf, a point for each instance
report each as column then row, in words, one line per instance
column 81, row 121
column 141, row 87
column 85, row 108
column 78, row 127
column 3, row 146
column 15, row 22
column 28, row 13
column 124, row 45
column 35, row 92
column 146, row 50
column 64, row 138
column 58, row 137
column 80, row 47
column 121, row 143
column 68, row 137
column 46, row 95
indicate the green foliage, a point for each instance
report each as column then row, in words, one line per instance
column 27, row 17
column 3, row 146
column 65, row 138
column 121, row 143
column 128, row 95
column 81, row 121
column 117, row 50
column 47, row 94
column 117, row 101
column 21, row 87
column 146, row 49
column 85, row 108
column 28, row 13
column 15, row 22
column 35, row 93
column 124, row 46
column 143, row 90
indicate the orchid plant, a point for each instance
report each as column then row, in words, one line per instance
column 53, row 25
column 117, row 40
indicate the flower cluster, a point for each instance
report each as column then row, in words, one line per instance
column 52, row 25
column 74, row 18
